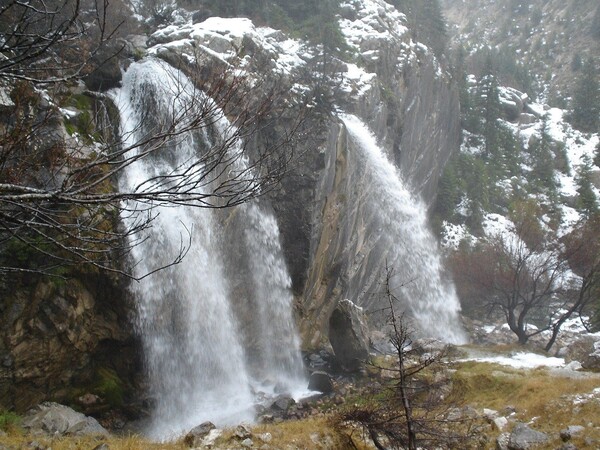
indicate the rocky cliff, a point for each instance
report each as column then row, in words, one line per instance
column 55, row 335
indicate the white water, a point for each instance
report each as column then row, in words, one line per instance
column 195, row 355
column 412, row 250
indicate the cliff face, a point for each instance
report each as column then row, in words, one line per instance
column 59, row 337
column 326, row 207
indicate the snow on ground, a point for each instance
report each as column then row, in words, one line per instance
column 522, row 360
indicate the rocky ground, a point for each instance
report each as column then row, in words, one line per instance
column 512, row 397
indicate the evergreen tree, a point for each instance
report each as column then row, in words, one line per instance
column 490, row 112
column 597, row 155
column 585, row 114
column 586, row 199
column 543, row 162
column 426, row 21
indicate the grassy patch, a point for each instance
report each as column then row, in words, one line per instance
column 540, row 397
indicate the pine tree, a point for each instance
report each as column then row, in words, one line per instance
column 586, row 199
column 597, row 155
column 585, row 114
column 543, row 162
column 490, row 112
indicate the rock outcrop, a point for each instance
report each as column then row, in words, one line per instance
column 58, row 335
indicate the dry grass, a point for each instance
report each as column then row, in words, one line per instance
column 18, row 440
column 538, row 396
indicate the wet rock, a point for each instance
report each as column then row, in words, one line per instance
column 320, row 381
column 196, row 435
column 524, row 438
column 283, row 403
column 348, row 334
column 59, row 420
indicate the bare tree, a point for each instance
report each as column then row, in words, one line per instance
column 54, row 41
column 412, row 412
column 527, row 279
column 60, row 200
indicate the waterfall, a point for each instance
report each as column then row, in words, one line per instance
column 406, row 242
column 188, row 318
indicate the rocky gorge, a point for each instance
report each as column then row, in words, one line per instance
column 271, row 309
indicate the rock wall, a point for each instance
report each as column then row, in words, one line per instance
column 57, row 335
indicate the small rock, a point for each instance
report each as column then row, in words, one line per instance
column 265, row 437
column 242, row 432
column 320, row 381
column 210, row 439
column 197, row 434
column 35, row 445
column 567, row 446
column 499, row 423
column 489, row 414
column 247, row 443
column 88, row 400
column 570, row 431
column 283, row 403
column 103, row 446
column 502, row 441
column 523, row 437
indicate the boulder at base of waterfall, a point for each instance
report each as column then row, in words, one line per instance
column 283, row 403
column 524, row 438
column 348, row 334
column 59, row 420
column 197, row 434
column 320, row 381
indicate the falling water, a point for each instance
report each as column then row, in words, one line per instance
column 411, row 249
column 197, row 362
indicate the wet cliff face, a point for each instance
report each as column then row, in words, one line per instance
column 58, row 337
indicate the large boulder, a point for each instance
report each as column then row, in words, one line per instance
column 60, row 420
column 348, row 334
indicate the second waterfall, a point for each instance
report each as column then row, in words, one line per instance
column 218, row 327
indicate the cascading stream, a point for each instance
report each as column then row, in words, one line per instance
column 411, row 249
column 195, row 355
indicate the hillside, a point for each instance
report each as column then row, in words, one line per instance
column 540, row 44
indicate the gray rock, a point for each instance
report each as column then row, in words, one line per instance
column 524, row 438
column 247, row 443
column 103, row 446
column 283, row 403
column 502, row 441
column 212, row 436
column 265, row 437
column 242, row 432
column 568, row 446
column 195, row 436
column 572, row 430
column 320, row 381
column 499, row 423
column 55, row 419
column 348, row 334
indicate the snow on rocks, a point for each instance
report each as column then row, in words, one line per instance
column 227, row 39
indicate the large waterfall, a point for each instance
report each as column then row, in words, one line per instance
column 405, row 241
column 218, row 327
